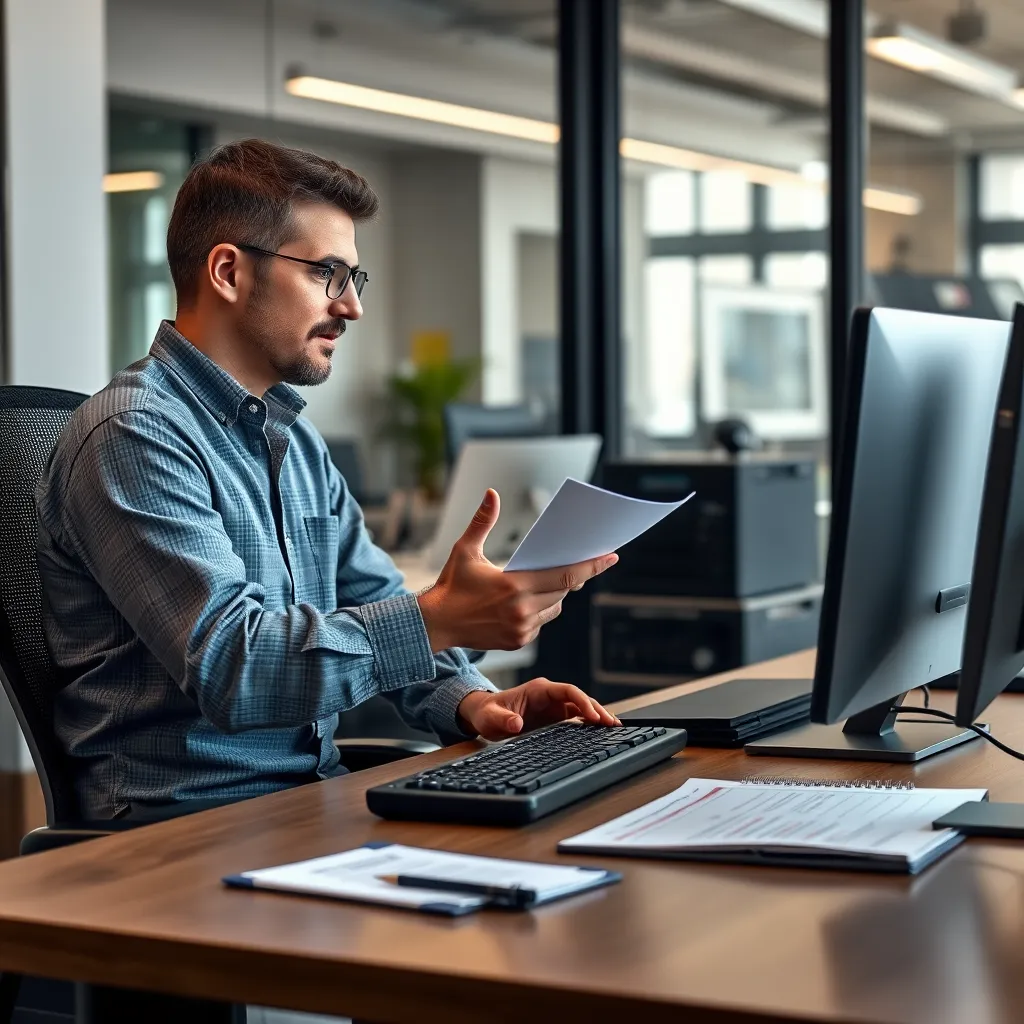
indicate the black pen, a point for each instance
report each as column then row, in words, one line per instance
column 514, row 896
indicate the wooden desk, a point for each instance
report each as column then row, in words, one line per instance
column 673, row 942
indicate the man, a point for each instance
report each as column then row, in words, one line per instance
column 211, row 598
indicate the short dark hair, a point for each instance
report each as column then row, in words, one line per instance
column 245, row 192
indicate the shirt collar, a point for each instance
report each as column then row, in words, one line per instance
column 213, row 385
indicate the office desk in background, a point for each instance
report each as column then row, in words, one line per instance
column 711, row 944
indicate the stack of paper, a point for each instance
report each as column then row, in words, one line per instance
column 861, row 828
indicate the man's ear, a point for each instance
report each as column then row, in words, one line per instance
column 227, row 272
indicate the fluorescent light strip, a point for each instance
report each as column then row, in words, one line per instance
column 892, row 201
column 475, row 119
column 919, row 51
column 132, row 181
column 424, row 110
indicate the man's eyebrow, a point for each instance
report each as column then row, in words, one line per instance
column 331, row 258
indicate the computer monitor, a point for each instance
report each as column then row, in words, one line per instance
column 993, row 652
column 525, row 472
column 922, row 391
column 464, row 421
column 763, row 359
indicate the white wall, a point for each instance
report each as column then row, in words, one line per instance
column 520, row 198
column 56, row 109
column 938, row 234
column 538, row 286
column 515, row 198
column 57, row 148
column 437, row 248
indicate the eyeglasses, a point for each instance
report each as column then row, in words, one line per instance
column 335, row 274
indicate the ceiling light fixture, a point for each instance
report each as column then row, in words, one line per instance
column 910, row 48
column 530, row 129
column 891, row 200
column 132, row 181
column 436, row 111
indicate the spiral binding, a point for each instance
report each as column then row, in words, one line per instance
column 778, row 780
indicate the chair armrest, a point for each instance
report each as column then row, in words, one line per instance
column 52, row 837
column 359, row 753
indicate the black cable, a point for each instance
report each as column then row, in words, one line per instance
column 926, row 690
column 901, row 709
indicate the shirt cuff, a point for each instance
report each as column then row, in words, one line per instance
column 398, row 636
column 442, row 710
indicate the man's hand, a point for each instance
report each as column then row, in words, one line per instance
column 475, row 604
column 496, row 716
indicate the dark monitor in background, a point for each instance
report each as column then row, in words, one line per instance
column 464, row 421
column 994, row 642
column 921, row 396
column 346, row 456
column 983, row 298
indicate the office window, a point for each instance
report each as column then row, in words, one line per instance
column 149, row 157
column 670, row 204
column 737, row 269
column 930, row 197
column 732, row 197
column 804, row 270
column 1002, row 262
column 803, row 205
column 726, row 202
column 669, row 295
column 1002, row 186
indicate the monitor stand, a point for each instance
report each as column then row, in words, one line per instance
column 871, row 735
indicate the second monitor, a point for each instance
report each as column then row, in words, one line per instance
column 916, row 429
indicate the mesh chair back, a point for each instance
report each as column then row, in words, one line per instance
column 31, row 420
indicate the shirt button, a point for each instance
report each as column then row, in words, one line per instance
column 253, row 407
column 223, row 418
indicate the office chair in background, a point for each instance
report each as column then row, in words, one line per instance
column 31, row 420
column 464, row 421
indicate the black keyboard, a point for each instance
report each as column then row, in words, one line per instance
column 524, row 778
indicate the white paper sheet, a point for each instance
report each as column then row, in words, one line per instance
column 714, row 815
column 357, row 875
column 583, row 521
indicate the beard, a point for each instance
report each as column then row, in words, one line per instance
column 302, row 370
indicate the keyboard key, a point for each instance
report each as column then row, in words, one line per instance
column 561, row 773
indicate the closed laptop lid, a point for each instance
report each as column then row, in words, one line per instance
column 728, row 705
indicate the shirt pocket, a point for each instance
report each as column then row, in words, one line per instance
column 323, row 538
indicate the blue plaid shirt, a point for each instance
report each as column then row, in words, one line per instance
column 211, row 597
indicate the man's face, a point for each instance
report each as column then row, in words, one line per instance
column 289, row 316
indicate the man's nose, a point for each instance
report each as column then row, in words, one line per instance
column 347, row 305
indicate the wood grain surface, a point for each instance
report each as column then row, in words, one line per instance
column 672, row 942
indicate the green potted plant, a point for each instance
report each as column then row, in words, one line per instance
column 419, row 393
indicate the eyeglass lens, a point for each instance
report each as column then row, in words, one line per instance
column 340, row 279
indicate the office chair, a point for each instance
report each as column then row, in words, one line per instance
column 31, row 420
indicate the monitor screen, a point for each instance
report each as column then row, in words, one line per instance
column 763, row 360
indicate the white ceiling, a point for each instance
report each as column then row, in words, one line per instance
column 712, row 43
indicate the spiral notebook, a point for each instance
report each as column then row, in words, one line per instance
column 799, row 823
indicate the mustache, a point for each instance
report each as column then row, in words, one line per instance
column 336, row 327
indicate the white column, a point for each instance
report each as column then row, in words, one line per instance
column 56, row 211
